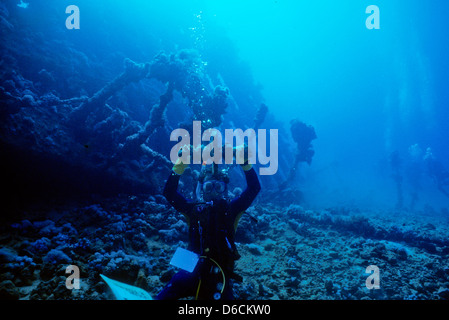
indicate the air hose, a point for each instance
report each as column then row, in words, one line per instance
column 222, row 273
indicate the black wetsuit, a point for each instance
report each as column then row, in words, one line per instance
column 211, row 235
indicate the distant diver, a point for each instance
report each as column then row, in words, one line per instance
column 437, row 172
column 396, row 165
column 303, row 135
column 212, row 225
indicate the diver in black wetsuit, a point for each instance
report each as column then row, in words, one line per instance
column 212, row 226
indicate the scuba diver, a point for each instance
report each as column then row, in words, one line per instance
column 212, row 225
column 303, row 135
column 396, row 165
column 437, row 172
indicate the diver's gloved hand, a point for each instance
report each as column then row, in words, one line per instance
column 244, row 162
column 179, row 167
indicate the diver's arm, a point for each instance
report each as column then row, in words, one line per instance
column 247, row 197
column 172, row 195
column 171, row 191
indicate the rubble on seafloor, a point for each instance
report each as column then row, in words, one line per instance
column 288, row 254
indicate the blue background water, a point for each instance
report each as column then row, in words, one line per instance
column 367, row 93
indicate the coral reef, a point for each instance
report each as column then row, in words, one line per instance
column 289, row 253
column 83, row 139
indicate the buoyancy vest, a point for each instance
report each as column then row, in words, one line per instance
column 212, row 232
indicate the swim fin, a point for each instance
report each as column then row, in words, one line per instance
column 123, row 291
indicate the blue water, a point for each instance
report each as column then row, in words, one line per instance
column 366, row 92
column 369, row 94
